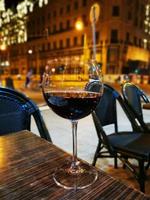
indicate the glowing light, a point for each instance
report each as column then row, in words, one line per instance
column 3, row 47
column 79, row 25
column 2, row 5
column 13, row 24
column 53, row 70
column 43, row 2
column 146, row 22
column 30, row 51
column 145, row 43
column 23, row 7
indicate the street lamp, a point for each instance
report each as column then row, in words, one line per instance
column 35, row 53
column 30, row 51
column 94, row 16
column 79, row 25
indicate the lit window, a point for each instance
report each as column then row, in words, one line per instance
column 145, row 43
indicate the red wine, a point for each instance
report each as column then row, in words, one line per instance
column 72, row 105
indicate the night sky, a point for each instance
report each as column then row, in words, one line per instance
column 11, row 3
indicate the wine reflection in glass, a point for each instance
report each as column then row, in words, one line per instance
column 68, row 92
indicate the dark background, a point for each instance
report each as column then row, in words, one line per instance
column 11, row 3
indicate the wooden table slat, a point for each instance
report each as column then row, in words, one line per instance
column 27, row 164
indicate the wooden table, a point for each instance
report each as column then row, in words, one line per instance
column 27, row 163
column 146, row 106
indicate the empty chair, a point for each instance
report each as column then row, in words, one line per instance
column 15, row 113
column 134, row 97
column 120, row 144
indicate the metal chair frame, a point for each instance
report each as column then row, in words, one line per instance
column 108, row 145
column 29, row 107
column 133, row 96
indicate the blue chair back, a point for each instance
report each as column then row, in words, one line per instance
column 16, row 111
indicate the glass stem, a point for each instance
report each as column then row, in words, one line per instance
column 74, row 139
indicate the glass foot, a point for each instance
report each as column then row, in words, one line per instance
column 78, row 177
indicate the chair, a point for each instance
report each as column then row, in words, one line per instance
column 15, row 113
column 120, row 144
column 134, row 96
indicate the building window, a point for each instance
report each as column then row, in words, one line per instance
column 61, row 26
column 135, row 41
column 115, row 11
column 49, row 46
column 54, row 28
column 114, row 36
column 97, row 37
column 43, row 47
column 129, row 15
column 145, row 43
column 61, row 44
column 43, row 19
column 68, row 42
column 48, row 31
column 82, row 40
column 140, row 43
column 75, row 41
column 137, row 4
column 54, row 13
column 141, row 23
column 68, row 24
column 61, row 11
column 54, row 45
column 127, row 37
column 84, row 3
column 142, row 8
column 135, row 21
column 68, row 8
column 76, row 5
column 49, row 15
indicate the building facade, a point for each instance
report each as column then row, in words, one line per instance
column 122, row 36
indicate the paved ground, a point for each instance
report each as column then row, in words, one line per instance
column 60, row 130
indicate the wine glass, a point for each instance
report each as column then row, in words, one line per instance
column 67, row 91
